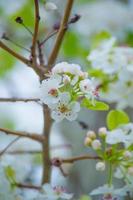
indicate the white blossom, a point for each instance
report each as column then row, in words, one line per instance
column 127, row 155
column 100, row 166
column 88, row 88
column 106, row 190
column 65, row 67
column 49, row 90
column 53, row 193
column 65, row 108
column 116, row 136
column 96, row 144
column 91, row 134
column 88, row 141
column 102, row 132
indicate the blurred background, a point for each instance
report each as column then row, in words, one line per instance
column 16, row 80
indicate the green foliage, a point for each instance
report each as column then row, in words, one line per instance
column 7, row 62
column 96, row 106
column 129, row 38
column 116, row 118
column 72, row 46
column 27, row 14
column 98, row 38
column 11, row 175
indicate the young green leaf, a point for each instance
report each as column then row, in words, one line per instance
column 97, row 105
column 116, row 118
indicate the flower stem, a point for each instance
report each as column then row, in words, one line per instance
column 110, row 174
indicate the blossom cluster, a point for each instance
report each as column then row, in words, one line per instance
column 64, row 89
column 115, row 151
column 52, row 193
column 115, row 67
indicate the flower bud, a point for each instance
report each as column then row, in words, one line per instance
column 130, row 171
column 102, row 132
column 19, row 20
column 91, row 134
column 127, row 155
column 96, row 144
column 87, row 141
column 100, row 166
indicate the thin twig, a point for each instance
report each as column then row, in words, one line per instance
column 9, row 145
column 59, row 161
column 51, row 34
column 22, row 152
column 32, row 136
column 36, row 29
column 25, row 186
column 61, row 33
column 2, row 100
column 78, row 158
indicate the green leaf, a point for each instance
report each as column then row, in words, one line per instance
column 116, row 118
column 10, row 173
column 97, row 105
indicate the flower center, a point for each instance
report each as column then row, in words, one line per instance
column 63, row 108
column 53, row 92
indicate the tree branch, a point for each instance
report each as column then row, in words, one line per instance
column 32, row 136
column 37, row 68
column 16, row 55
column 61, row 33
column 35, row 34
column 59, row 161
column 25, row 186
column 2, row 100
column 46, row 145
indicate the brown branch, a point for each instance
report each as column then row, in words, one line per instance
column 22, row 152
column 35, row 34
column 78, row 158
column 2, row 100
column 61, row 33
column 32, row 136
column 9, row 145
column 38, row 69
column 41, row 57
column 46, row 145
column 13, row 53
column 59, row 161
column 25, row 186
